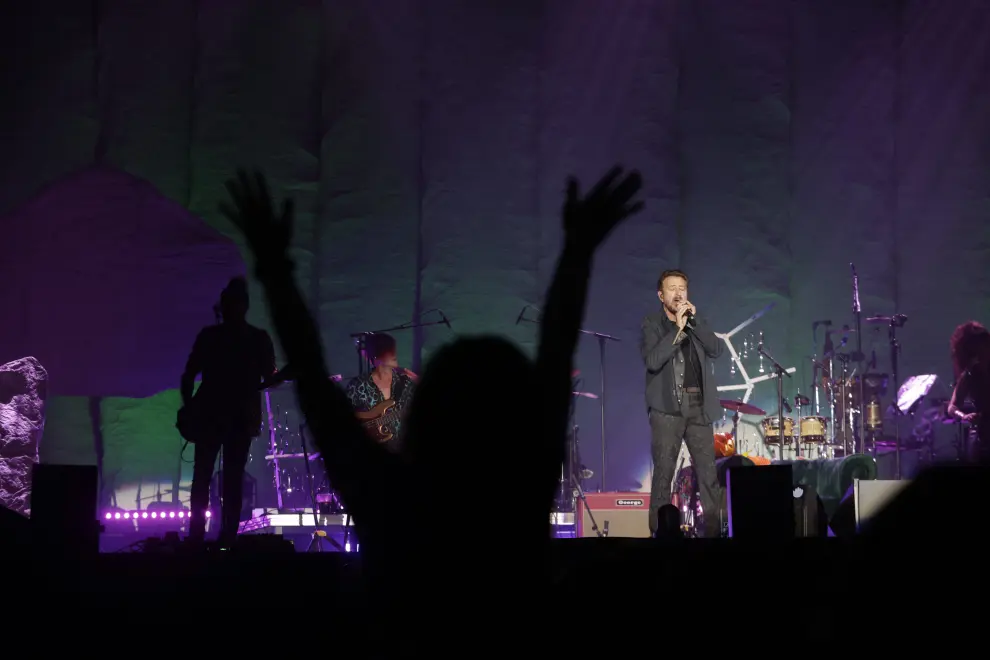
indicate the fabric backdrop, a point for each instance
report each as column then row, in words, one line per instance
column 427, row 141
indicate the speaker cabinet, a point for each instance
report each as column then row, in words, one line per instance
column 760, row 502
column 63, row 507
column 625, row 515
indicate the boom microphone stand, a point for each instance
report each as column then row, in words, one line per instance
column 602, row 338
column 779, row 372
column 361, row 338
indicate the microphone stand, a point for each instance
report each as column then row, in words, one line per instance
column 779, row 372
column 360, row 338
column 602, row 338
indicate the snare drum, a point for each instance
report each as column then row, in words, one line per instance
column 814, row 429
column 771, row 430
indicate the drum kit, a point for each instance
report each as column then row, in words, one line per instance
column 808, row 435
column 843, row 415
column 298, row 486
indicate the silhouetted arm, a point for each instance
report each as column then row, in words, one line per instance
column 563, row 310
column 587, row 221
column 655, row 346
column 705, row 335
column 354, row 464
column 194, row 366
column 270, row 366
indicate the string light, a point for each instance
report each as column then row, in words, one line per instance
column 737, row 361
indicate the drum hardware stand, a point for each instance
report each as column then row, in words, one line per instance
column 566, row 493
column 817, row 367
column 602, row 338
column 361, row 338
column 896, row 321
column 848, row 421
column 580, row 493
column 779, row 372
column 828, row 385
column 319, row 534
column 859, row 357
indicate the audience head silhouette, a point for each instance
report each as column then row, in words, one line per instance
column 473, row 414
column 234, row 301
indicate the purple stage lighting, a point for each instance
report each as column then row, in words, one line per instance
column 149, row 516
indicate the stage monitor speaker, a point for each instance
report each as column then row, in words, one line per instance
column 871, row 496
column 760, row 502
column 625, row 515
column 948, row 497
column 63, row 507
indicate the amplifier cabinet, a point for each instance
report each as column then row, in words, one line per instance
column 624, row 515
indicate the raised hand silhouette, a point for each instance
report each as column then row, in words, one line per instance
column 589, row 220
column 253, row 213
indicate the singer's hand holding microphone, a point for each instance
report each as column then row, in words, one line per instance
column 685, row 312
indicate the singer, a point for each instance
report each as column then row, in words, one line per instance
column 681, row 396
column 386, row 380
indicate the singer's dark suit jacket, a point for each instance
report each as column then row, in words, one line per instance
column 665, row 363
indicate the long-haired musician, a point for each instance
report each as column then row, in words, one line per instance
column 970, row 401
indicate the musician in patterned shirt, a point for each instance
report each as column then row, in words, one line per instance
column 386, row 380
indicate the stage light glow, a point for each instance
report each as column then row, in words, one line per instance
column 147, row 516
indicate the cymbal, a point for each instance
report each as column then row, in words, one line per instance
column 586, row 395
column 740, row 407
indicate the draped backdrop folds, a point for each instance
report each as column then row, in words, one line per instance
column 427, row 142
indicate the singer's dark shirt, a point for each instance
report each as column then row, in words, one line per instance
column 692, row 365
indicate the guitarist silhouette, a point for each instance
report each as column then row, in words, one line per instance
column 380, row 397
column 233, row 358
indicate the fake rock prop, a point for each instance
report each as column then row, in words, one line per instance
column 23, row 390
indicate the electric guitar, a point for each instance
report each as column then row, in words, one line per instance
column 379, row 420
